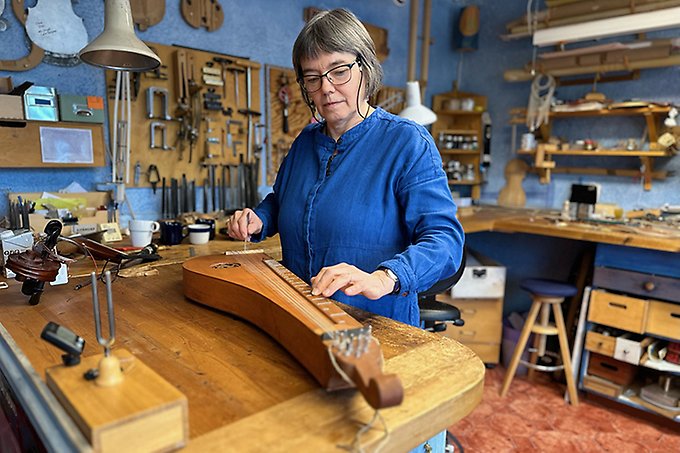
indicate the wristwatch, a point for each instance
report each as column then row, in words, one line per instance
column 393, row 276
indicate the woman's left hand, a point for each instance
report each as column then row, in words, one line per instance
column 351, row 281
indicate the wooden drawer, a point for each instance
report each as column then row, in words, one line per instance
column 602, row 344
column 602, row 386
column 483, row 320
column 664, row 319
column 622, row 312
column 637, row 283
column 611, row 369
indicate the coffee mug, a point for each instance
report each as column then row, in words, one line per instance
column 211, row 223
column 172, row 232
column 199, row 233
column 141, row 232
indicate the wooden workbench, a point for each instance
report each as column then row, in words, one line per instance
column 245, row 392
column 547, row 223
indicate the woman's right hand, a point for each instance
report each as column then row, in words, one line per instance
column 242, row 224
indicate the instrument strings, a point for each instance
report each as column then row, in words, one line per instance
column 291, row 280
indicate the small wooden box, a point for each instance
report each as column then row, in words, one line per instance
column 602, row 344
column 142, row 413
column 602, row 386
column 611, row 369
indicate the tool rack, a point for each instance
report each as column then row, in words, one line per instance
column 188, row 124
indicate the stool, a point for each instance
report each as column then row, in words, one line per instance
column 544, row 294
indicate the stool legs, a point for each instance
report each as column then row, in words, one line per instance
column 564, row 350
column 521, row 343
column 537, row 305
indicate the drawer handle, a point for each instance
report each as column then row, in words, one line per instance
column 468, row 333
column 675, row 315
column 617, row 305
column 649, row 286
column 609, row 366
column 469, row 311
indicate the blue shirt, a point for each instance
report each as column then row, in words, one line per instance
column 378, row 197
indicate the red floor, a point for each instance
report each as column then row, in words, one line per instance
column 534, row 417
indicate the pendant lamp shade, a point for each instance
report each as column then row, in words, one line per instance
column 118, row 47
column 415, row 110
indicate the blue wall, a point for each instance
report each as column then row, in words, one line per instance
column 264, row 30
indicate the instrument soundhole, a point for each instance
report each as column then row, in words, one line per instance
column 225, row 265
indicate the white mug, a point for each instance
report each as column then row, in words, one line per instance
column 199, row 233
column 141, row 232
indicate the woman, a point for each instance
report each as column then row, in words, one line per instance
column 361, row 201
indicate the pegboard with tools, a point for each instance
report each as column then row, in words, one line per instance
column 287, row 115
column 195, row 121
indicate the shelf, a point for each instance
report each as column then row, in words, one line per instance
column 459, row 131
column 22, row 145
column 518, row 116
column 469, row 152
column 458, row 112
column 465, row 182
column 604, row 153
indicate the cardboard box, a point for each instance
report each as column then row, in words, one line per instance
column 13, row 245
column 11, row 107
column 89, row 214
column 482, row 278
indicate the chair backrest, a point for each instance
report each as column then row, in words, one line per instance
column 434, row 314
column 446, row 283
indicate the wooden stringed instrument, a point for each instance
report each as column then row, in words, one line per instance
column 320, row 335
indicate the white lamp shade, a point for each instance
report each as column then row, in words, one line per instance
column 415, row 110
column 118, row 47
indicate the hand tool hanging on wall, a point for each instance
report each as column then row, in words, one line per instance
column 284, row 97
column 151, row 94
column 235, row 71
column 153, row 176
column 224, row 62
column 250, row 113
column 203, row 13
column 153, row 128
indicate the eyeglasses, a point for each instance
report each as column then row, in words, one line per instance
column 338, row 75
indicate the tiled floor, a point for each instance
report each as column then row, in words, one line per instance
column 534, row 417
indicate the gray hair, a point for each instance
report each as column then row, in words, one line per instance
column 338, row 30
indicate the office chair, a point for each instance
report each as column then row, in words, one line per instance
column 434, row 315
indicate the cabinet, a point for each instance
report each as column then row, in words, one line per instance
column 479, row 296
column 545, row 155
column 459, row 135
column 632, row 314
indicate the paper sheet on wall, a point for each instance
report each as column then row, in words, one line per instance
column 66, row 145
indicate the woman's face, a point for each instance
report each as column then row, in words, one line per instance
column 337, row 103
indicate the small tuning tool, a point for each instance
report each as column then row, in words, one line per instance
column 110, row 373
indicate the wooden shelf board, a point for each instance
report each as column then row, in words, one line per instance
column 467, row 152
column 604, row 152
column 458, row 112
column 465, row 182
column 518, row 115
column 459, row 131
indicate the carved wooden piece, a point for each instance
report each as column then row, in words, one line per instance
column 203, row 13
column 36, row 54
column 254, row 287
column 146, row 13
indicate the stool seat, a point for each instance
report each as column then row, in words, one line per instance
column 432, row 310
column 550, row 288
